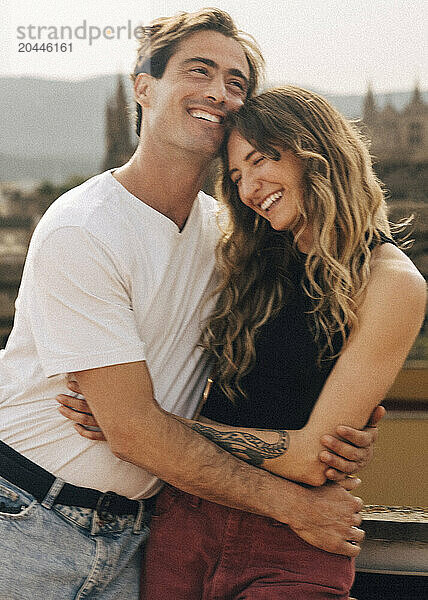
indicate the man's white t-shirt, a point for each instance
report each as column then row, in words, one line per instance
column 107, row 280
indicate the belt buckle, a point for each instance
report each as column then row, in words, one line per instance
column 104, row 507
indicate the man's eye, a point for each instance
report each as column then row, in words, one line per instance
column 258, row 160
column 237, row 84
column 201, row 70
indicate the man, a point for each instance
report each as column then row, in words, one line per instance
column 112, row 291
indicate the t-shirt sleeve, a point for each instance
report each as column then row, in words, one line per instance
column 80, row 310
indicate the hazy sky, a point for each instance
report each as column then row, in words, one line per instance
column 332, row 45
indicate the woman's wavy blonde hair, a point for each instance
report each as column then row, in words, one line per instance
column 344, row 203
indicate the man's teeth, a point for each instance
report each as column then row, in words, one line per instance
column 267, row 203
column 200, row 114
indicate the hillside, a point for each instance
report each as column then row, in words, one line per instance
column 52, row 129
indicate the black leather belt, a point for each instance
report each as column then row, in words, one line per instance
column 35, row 480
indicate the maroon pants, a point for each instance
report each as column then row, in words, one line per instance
column 199, row 550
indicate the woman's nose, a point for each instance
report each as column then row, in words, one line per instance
column 248, row 190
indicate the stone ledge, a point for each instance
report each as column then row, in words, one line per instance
column 396, row 540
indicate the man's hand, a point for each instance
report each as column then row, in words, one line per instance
column 328, row 517
column 352, row 449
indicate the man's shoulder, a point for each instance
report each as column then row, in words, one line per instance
column 80, row 202
column 93, row 206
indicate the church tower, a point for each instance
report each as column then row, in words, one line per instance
column 369, row 108
column 397, row 135
column 117, row 129
column 417, row 96
column 416, row 116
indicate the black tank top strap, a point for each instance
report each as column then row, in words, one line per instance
column 384, row 239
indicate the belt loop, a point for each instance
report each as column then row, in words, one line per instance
column 139, row 518
column 95, row 524
column 53, row 493
column 194, row 501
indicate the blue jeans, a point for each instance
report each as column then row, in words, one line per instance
column 56, row 552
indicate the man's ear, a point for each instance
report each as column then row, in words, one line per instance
column 143, row 86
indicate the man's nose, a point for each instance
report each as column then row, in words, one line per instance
column 216, row 90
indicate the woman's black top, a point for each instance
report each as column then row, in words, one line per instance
column 285, row 382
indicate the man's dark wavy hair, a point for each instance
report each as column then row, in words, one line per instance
column 162, row 37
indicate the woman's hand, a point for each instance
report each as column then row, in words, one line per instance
column 77, row 410
column 345, row 454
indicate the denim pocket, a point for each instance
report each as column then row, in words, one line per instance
column 14, row 504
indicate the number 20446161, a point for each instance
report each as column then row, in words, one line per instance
column 45, row 47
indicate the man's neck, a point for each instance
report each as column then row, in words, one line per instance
column 167, row 183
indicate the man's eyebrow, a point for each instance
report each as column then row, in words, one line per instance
column 212, row 63
column 247, row 158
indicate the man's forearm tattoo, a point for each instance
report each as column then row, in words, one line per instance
column 245, row 445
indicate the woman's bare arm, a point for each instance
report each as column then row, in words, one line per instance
column 389, row 320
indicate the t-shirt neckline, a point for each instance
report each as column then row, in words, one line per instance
column 162, row 220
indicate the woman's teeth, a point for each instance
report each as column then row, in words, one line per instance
column 267, row 203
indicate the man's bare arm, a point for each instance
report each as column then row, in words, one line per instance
column 346, row 453
column 139, row 431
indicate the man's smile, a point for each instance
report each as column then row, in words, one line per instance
column 205, row 115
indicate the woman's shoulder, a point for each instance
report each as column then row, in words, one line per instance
column 392, row 271
column 393, row 307
column 388, row 258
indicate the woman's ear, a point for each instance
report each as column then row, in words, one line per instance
column 143, row 85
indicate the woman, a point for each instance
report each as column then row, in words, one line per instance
column 311, row 282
